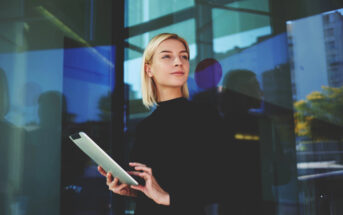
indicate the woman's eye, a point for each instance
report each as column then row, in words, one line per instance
column 166, row 56
column 185, row 57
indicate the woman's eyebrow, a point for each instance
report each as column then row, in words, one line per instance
column 167, row 51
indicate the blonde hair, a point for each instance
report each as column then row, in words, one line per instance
column 149, row 91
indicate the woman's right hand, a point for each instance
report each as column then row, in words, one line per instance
column 114, row 186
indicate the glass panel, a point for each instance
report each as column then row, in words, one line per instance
column 88, row 85
column 146, row 10
column 317, row 92
column 250, row 67
column 261, row 5
column 250, row 23
column 50, row 95
column 271, row 69
column 252, row 91
column 255, row 103
column 56, row 78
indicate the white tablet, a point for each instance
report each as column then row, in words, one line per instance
column 88, row 146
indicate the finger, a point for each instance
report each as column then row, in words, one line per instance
column 136, row 164
column 144, row 169
column 109, row 178
column 113, row 184
column 138, row 187
column 143, row 175
column 131, row 172
column 134, row 173
column 102, row 171
column 118, row 189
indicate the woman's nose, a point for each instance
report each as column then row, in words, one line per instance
column 177, row 61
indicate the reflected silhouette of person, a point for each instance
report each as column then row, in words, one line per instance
column 240, row 93
column 242, row 87
column 45, row 143
column 252, row 148
column 208, row 74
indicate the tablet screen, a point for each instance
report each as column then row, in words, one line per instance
column 99, row 156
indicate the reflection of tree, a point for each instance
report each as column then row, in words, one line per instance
column 320, row 116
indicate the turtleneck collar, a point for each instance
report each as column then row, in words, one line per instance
column 166, row 103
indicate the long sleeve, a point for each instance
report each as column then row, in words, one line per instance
column 179, row 141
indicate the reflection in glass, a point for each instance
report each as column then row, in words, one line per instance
column 53, row 95
column 256, row 105
column 57, row 77
column 317, row 81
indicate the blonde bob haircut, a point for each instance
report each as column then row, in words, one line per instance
column 149, row 91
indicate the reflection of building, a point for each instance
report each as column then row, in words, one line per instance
column 316, row 53
column 307, row 55
column 333, row 34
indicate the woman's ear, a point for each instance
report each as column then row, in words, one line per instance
column 148, row 70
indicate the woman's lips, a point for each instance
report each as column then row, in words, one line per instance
column 178, row 73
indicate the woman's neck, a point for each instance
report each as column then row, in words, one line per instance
column 168, row 94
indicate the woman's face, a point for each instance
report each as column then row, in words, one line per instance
column 170, row 65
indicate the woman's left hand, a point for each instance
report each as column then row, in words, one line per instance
column 151, row 188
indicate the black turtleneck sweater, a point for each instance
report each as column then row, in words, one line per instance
column 179, row 141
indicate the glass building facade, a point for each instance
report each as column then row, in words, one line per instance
column 272, row 68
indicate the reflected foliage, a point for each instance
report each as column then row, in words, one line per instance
column 320, row 115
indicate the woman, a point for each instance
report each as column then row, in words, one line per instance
column 170, row 151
